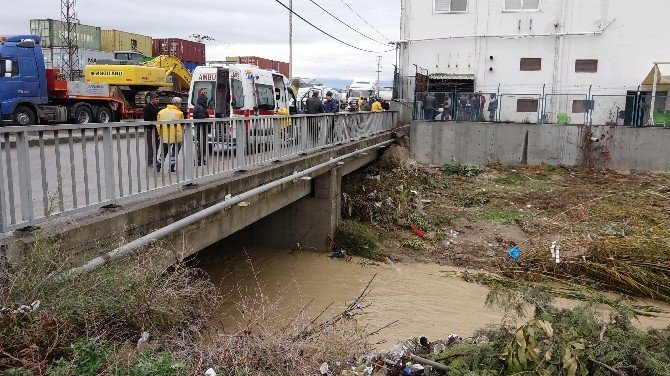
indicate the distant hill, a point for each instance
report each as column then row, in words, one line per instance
column 342, row 84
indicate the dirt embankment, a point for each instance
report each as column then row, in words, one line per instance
column 605, row 223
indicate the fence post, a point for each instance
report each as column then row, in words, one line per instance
column 25, row 187
column 189, row 155
column 276, row 137
column 241, row 145
column 110, row 184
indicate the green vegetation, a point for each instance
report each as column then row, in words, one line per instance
column 502, row 216
column 462, row 170
column 417, row 244
column 357, row 240
column 428, row 223
column 559, row 341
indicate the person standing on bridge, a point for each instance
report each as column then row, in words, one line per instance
column 151, row 114
column 201, row 129
column 331, row 106
column 171, row 134
column 314, row 107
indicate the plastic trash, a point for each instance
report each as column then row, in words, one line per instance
column 324, row 369
column 210, row 372
column 143, row 339
column 417, row 231
column 338, row 253
column 514, row 253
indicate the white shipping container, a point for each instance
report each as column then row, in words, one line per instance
column 54, row 57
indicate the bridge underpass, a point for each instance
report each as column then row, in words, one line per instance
column 305, row 209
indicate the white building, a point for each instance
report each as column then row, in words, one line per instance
column 521, row 49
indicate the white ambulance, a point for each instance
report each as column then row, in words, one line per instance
column 239, row 90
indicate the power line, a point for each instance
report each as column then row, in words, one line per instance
column 326, row 33
column 345, row 24
column 359, row 16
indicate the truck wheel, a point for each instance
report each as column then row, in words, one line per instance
column 103, row 115
column 83, row 115
column 23, row 116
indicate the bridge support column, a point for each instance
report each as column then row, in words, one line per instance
column 309, row 223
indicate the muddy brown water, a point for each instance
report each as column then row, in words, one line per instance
column 423, row 298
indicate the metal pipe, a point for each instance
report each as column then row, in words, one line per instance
column 653, row 95
column 193, row 218
column 424, row 361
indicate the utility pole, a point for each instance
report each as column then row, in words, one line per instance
column 379, row 71
column 70, row 68
column 290, row 41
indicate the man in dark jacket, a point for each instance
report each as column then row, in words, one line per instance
column 314, row 104
column 429, row 106
column 201, row 129
column 151, row 114
column 331, row 106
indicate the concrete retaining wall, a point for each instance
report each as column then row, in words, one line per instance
column 618, row 148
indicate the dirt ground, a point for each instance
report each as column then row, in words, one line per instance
column 470, row 217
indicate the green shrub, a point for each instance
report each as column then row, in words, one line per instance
column 357, row 239
column 462, row 170
column 417, row 244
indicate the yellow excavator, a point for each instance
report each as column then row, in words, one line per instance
column 137, row 76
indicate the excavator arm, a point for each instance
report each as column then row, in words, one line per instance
column 172, row 66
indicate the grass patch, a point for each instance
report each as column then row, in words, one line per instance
column 428, row 223
column 417, row 244
column 462, row 170
column 502, row 216
column 357, row 240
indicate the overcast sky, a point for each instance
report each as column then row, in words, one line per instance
column 247, row 27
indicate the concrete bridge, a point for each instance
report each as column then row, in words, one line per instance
column 278, row 177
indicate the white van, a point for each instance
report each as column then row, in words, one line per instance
column 238, row 90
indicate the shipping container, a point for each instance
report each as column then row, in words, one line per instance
column 53, row 33
column 184, row 50
column 262, row 63
column 116, row 40
column 55, row 57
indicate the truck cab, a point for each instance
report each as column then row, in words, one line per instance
column 22, row 79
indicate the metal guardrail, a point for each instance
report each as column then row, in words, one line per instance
column 48, row 171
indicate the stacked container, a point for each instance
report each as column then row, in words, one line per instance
column 184, row 50
column 116, row 40
column 53, row 33
column 55, row 57
column 262, row 63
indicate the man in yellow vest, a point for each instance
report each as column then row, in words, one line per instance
column 170, row 134
column 377, row 105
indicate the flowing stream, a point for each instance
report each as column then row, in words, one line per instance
column 424, row 299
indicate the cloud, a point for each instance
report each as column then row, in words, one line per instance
column 249, row 27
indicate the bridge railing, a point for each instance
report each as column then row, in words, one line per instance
column 48, row 171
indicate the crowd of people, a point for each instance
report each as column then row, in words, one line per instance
column 331, row 106
column 467, row 107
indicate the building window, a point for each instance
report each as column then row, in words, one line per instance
column 522, row 5
column 586, row 66
column 581, row 106
column 530, row 64
column 527, row 105
column 450, row 6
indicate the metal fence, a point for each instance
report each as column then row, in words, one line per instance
column 547, row 108
column 52, row 170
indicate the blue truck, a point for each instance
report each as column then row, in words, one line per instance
column 31, row 94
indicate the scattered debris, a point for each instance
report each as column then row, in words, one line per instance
column 143, row 340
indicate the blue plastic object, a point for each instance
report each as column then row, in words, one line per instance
column 514, row 253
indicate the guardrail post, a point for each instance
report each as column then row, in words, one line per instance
column 323, row 131
column 276, row 138
column 303, row 134
column 189, row 148
column 241, row 143
column 107, row 143
column 25, row 187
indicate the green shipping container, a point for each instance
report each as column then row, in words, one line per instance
column 116, row 40
column 53, row 34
